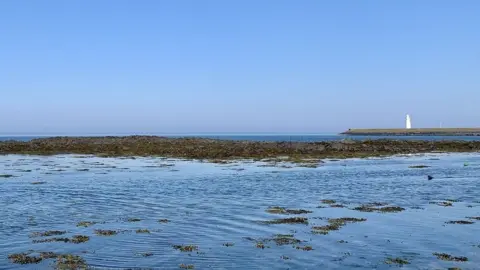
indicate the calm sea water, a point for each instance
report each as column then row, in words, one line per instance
column 299, row 138
column 209, row 205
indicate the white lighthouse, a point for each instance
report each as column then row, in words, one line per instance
column 408, row 122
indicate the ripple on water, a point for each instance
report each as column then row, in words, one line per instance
column 208, row 207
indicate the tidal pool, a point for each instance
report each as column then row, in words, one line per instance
column 157, row 213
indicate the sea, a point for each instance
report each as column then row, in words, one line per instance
column 163, row 213
column 272, row 137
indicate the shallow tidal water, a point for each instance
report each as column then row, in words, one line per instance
column 209, row 205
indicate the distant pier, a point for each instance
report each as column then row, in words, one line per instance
column 415, row 132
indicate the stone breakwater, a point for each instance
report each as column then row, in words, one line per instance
column 415, row 132
column 200, row 148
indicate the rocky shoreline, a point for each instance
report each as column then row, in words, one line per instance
column 200, row 148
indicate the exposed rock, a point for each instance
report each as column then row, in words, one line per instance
column 200, row 148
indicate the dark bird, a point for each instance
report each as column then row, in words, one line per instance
column 429, row 177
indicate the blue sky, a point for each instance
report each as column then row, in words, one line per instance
column 116, row 66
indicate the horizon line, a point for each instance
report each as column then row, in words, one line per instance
column 169, row 134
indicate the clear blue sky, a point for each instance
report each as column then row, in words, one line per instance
column 115, row 66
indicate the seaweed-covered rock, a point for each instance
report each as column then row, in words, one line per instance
column 210, row 149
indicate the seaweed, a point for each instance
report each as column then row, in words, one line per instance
column 459, row 222
column 334, row 224
column 418, row 166
column 385, row 209
column 448, row 257
column 185, row 248
column 305, row 248
column 216, row 149
column 105, row 232
column 327, row 201
column 293, row 220
column 48, row 255
column 260, row 245
column 49, row 240
column 77, row 239
column 86, row 223
column 282, row 210
column 23, row 258
column 133, row 220
column 398, row 261
column 284, row 239
column 47, row 233
column 69, row 261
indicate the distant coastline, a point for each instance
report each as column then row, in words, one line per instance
column 415, row 132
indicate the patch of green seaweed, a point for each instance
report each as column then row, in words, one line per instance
column 76, row 239
column 86, row 223
column 448, row 257
column 47, row 233
column 418, row 166
column 105, row 232
column 133, row 220
column 39, row 183
column 69, row 261
column 398, row 261
column 304, row 248
column 464, row 222
column 285, row 211
column 283, row 239
column 328, row 201
column 292, row 220
column 186, row 248
column 334, row 224
column 385, row 209
column 24, row 258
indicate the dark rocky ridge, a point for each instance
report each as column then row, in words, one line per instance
column 215, row 149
